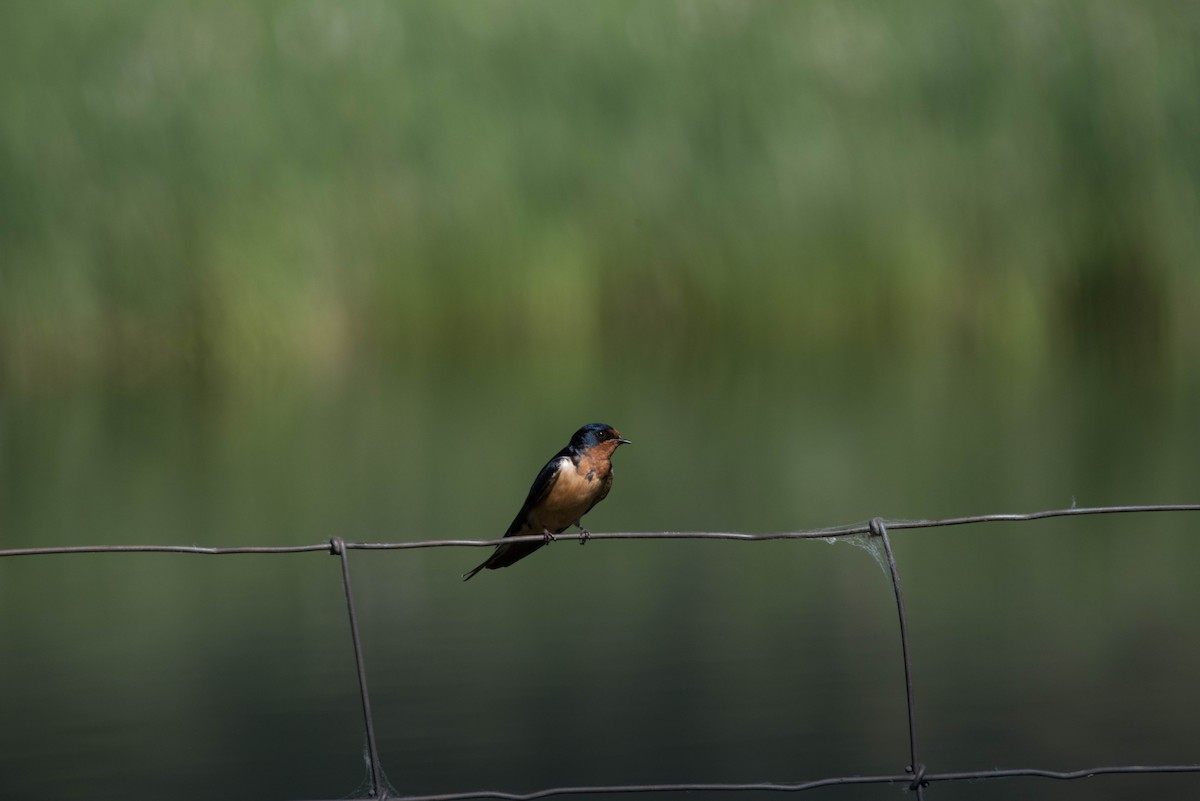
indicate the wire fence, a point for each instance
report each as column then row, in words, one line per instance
column 916, row 777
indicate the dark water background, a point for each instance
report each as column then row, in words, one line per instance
column 279, row 272
column 1063, row 643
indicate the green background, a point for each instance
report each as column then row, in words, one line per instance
column 276, row 272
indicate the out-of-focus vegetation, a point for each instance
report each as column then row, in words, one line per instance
column 204, row 191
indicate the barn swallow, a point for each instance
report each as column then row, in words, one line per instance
column 575, row 480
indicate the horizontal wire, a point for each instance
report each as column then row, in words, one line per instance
column 838, row 531
column 899, row 778
column 260, row 549
column 659, row 788
column 1066, row 775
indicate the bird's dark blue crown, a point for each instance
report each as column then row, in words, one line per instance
column 592, row 435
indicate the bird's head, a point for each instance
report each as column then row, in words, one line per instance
column 597, row 435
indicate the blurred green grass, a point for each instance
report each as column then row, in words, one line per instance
column 195, row 191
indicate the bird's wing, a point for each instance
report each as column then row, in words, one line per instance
column 538, row 492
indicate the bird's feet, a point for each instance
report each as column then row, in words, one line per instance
column 548, row 535
column 584, row 534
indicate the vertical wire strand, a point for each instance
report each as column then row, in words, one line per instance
column 338, row 546
column 918, row 770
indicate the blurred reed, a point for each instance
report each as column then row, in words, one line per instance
column 200, row 192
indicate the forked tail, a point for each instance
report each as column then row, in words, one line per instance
column 504, row 555
column 476, row 569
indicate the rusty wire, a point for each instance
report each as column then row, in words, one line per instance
column 916, row 776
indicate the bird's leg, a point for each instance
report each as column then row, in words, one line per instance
column 548, row 535
column 584, row 534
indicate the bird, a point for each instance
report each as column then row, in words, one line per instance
column 577, row 478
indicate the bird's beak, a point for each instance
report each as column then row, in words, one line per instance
column 623, row 441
